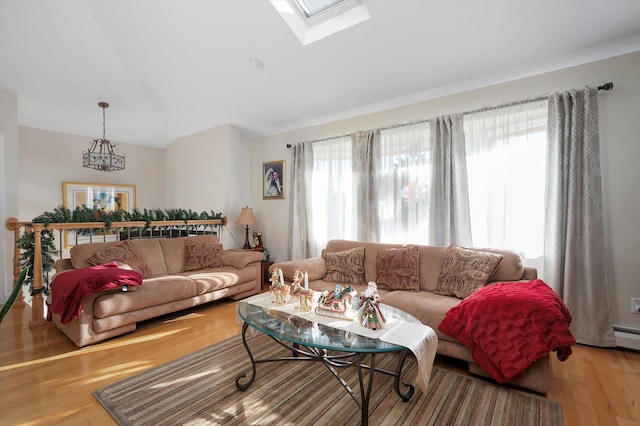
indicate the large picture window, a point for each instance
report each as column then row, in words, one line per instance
column 505, row 157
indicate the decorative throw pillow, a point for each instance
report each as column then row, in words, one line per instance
column 201, row 255
column 397, row 268
column 464, row 271
column 122, row 252
column 345, row 266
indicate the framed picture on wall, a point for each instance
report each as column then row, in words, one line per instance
column 95, row 196
column 273, row 183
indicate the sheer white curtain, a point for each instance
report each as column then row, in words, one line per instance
column 506, row 171
column 333, row 201
column 405, row 182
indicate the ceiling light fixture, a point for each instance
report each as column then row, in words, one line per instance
column 101, row 155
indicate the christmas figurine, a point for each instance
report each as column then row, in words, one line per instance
column 280, row 290
column 369, row 314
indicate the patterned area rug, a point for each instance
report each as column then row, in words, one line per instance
column 199, row 389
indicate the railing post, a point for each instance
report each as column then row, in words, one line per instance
column 37, row 301
column 15, row 226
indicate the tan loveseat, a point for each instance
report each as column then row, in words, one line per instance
column 166, row 288
column 425, row 305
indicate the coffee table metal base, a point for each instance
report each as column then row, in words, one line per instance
column 333, row 361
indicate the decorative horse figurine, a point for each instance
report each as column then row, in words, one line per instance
column 304, row 295
column 281, row 291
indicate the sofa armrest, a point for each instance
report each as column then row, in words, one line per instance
column 62, row 265
column 529, row 273
column 240, row 259
column 314, row 267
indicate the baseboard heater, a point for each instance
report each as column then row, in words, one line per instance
column 627, row 337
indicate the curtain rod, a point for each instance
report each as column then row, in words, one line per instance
column 604, row 87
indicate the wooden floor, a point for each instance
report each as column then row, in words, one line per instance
column 45, row 379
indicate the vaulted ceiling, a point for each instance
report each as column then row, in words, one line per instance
column 174, row 68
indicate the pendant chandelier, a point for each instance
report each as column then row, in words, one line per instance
column 101, row 155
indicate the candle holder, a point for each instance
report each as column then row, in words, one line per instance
column 305, row 300
column 281, row 294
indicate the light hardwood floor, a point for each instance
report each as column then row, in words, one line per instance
column 45, row 379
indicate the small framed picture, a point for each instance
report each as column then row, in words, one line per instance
column 273, row 183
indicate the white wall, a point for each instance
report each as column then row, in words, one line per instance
column 620, row 150
column 209, row 171
column 8, row 186
column 49, row 158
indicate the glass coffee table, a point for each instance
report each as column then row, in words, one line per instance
column 335, row 348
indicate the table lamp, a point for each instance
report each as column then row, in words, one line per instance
column 246, row 218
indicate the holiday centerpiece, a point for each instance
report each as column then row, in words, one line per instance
column 336, row 302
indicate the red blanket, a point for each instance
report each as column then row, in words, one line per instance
column 70, row 288
column 508, row 326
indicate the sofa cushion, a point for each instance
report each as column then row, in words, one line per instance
column 510, row 269
column 240, row 259
column 345, row 266
column 200, row 254
column 151, row 253
column 173, row 250
column 153, row 292
column 464, row 270
column 370, row 250
column 122, row 252
column 80, row 252
column 397, row 268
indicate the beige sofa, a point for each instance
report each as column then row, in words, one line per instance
column 166, row 288
column 425, row 305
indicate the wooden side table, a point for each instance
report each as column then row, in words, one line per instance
column 265, row 274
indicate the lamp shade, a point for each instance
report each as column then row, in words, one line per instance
column 246, row 217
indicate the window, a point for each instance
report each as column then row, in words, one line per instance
column 312, row 8
column 332, row 189
column 312, row 20
column 506, row 167
column 405, row 184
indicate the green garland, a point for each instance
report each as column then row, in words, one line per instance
column 62, row 214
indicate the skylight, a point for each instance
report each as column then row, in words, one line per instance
column 312, row 20
column 311, row 8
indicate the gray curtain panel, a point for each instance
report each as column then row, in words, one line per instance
column 449, row 209
column 366, row 172
column 300, row 211
column 574, row 237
